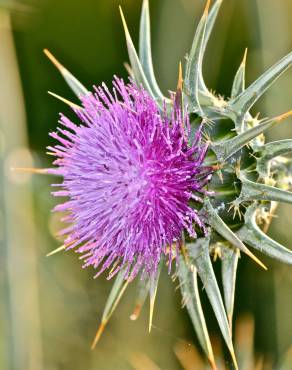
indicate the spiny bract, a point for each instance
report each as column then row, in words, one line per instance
column 250, row 178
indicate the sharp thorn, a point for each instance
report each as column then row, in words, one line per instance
column 136, row 312
column 229, row 317
column 40, row 171
column 233, row 358
column 57, row 250
column 152, row 301
column 283, row 116
column 244, row 57
column 56, row 63
column 206, row 11
column 180, row 78
column 100, row 330
column 128, row 69
column 68, row 102
column 124, row 21
column 212, row 364
column 254, row 258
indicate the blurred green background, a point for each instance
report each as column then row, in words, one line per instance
column 50, row 307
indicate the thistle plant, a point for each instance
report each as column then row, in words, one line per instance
column 153, row 180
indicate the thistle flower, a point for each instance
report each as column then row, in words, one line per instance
column 129, row 173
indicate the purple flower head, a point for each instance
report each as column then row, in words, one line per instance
column 130, row 176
